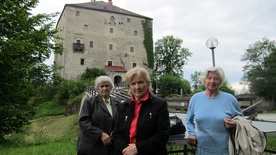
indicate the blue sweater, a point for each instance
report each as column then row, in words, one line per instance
column 205, row 120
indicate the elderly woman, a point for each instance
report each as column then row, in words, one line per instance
column 209, row 115
column 97, row 121
column 143, row 121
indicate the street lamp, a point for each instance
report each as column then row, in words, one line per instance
column 212, row 43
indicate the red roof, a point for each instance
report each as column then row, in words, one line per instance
column 116, row 68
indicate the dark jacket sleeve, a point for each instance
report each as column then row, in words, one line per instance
column 92, row 132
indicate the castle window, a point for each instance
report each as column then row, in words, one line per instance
column 78, row 47
column 112, row 20
column 128, row 20
column 77, row 13
column 135, row 33
column 131, row 49
column 134, row 65
column 85, row 27
column 111, row 30
column 109, row 63
column 91, row 44
column 142, row 21
column 82, row 61
column 110, row 47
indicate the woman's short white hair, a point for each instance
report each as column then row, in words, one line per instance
column 101, row 79
column 220, row 72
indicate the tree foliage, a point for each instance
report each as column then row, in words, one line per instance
column 148, row 42
column 169, row 56
column 260, row 68
column 25, row 43
column 91, row 73
column 172, row 84
column 197, row 85
column 227, row 88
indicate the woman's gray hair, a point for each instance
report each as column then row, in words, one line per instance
column 220, row 72
column 101, row 79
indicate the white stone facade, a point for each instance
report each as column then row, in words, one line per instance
column 99, row 34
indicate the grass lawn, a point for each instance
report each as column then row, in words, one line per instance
column 57, row 135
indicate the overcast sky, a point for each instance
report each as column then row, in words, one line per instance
column 236, row 24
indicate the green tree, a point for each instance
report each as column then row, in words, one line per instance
column 172, row 84
column 260, row 68
column 226, row 87
column 91, row 73
column 26, row 42
column 197, row 85
column 169, row 56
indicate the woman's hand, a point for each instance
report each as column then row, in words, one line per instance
column 192, row 140
column 106, row 139
column 229, row 123
column 130, row 150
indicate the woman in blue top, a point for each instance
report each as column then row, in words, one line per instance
column 209, row 115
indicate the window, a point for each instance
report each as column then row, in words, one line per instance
column 110, row 47
column 109, row 63
column 134, row 65
column 142, row 21
column 111, row 30
column 135, row 33
column 91, row 44
column 131, row 49
column 85, row 27
column 128, row 20
column 78, row 47
column 112, row 21
column 77, row 13
column 82, row 61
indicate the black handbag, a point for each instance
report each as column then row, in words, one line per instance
column 176, row 126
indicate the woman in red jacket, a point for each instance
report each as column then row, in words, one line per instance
column 143, row 124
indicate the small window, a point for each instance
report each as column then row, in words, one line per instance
column 131, row 49
column 134, row 65
column 82, row 62
column 135, row 33
column 77, row 13
column 142, row 21
column 91, row 44
column 109, row 63
column 111, row 30
column 110, row 47
column 78, row 41
column 112, row 20
column 128, row 20
column 85, row 27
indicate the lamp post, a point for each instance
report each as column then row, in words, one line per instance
column 212, row 43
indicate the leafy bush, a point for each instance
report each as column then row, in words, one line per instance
column 172, row 84
column 69, row 89
column 91, row 73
